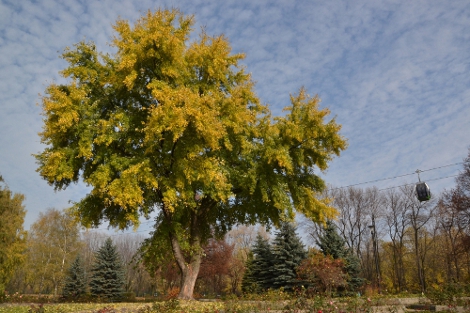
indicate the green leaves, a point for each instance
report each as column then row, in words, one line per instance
column 174, row 125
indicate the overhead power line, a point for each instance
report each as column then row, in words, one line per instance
column 434, row 179
column 399, row 176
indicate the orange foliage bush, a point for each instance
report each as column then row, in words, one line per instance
column 172, row 293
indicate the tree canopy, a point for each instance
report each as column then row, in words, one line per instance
column 172, row 125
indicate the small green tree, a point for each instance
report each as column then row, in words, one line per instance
column 263, row 263
column 288, row 253
column 75, row 281
column 332, row 244
column 107, row 278
column 249, row 282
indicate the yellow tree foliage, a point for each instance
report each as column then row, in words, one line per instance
column 171, row 125
column 53, row 244
column 12, row 235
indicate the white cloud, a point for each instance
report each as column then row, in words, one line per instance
column 394, row 73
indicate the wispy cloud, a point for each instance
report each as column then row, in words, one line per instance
column 394, row 73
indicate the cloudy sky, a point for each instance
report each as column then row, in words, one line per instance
column 394, row 73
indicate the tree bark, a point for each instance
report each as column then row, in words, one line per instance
column 189, row 270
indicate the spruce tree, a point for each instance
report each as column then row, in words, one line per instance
column 249, row 283
column 75, row 281
column 262, row 263
column 331, row 243
column 107, row 278
column 288, row 253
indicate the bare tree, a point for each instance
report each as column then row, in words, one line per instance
column 452, row 222
column 396, row 223
column 127, row 246
column 242, row 238
column 357, row 208
column 419, row 215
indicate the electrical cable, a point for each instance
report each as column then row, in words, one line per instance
column 439, row 178
column 393, row 177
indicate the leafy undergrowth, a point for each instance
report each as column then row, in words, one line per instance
column 274, row 302
column 71, row 307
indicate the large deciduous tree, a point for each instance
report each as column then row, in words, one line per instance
column 12, row 235
column 172, row 125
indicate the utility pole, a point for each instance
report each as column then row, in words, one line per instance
column 373, row 232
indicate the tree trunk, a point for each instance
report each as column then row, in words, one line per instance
column 188, row 280
column 189, row 270
column 418, row 261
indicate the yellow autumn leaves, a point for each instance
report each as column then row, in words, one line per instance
column 164, row 120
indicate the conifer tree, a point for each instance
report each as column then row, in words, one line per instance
column 75, row 282
column 331, row 243
column 288, row 252
column 249, row 282
column 263, row 263
column 107, row 280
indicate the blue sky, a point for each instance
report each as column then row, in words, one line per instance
column 393, row 73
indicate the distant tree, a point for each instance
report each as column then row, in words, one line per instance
column 215, row 266
column 12, row 235
column 452, row 223
column 458, row 199
column 396, row 223
column 332, row 244
column 53, row 244
column 463, row 184
column 453, row 218
column 236, row 273
column 263, row 262
column 419, row 214
column 127, row 247
column 249, row 281
column 242, row 237
column 170, row 123
column 288, row 252
column 75, row 281
column 107, row 276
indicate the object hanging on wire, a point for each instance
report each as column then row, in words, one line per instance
column 422, row 189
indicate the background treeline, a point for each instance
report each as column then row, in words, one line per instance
column 382, row 240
